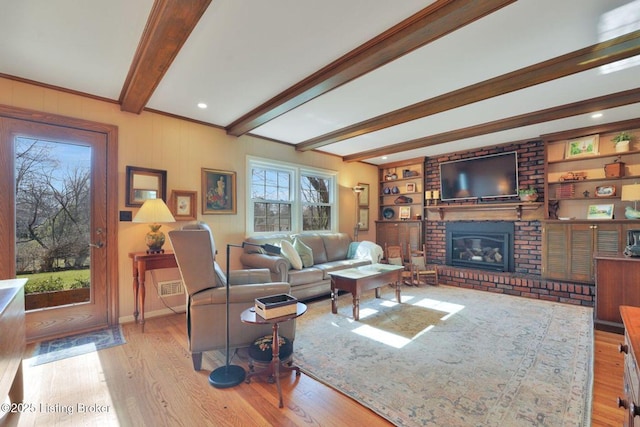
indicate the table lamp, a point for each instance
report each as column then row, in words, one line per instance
column 631, row 193
column 154, row 212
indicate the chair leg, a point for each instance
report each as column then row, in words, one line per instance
column 197, row 361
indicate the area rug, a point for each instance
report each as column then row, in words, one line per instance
column 75, row 345
column 449, row 356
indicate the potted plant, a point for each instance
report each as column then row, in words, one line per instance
column 528, row 194
column 621, row 141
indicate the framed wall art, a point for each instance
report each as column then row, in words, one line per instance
column 606, row 191
column 218, row 192
column 363, row 196
column 184, row 204
column 600, row 212
column 143, row 184
column 411, row 187
column 585, row 146
column 363, row 219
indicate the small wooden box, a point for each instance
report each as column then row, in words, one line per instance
column 276, row 306
column 614, row 170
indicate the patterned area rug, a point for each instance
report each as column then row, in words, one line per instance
column 454, row 357
column 75, row 345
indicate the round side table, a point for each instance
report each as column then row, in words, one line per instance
column 273, row 369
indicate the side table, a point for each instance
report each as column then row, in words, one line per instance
column 142, row 262
column 273, row 370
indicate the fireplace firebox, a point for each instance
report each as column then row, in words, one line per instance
column 485, row 245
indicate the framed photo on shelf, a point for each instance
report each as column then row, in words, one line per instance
column 579, row 147
column 218, row 192
column 405, row 212
column 600, row 212
column 606, row 191
column 363, row 196
column 411, row 187
column 183, row 205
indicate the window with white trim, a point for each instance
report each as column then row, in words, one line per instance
column 289, row 198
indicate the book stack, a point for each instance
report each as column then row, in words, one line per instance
column 565, row 191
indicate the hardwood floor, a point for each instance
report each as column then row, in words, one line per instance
column 150, row 381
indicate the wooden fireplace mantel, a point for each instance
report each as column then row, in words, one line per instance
column 516, row 211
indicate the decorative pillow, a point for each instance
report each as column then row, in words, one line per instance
column 305, row 252
column 290, row 253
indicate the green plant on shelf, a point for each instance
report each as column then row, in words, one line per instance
column 622, row 136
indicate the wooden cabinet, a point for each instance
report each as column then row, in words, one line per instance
column 399, row 233
column 568, row 247
column 631, row 348
column 575, row 182
column 617, row 283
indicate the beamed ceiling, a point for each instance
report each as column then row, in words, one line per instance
column 360, row 79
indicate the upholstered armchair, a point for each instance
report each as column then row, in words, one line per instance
column 205, row 283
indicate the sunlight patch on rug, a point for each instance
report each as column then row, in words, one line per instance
column 75, row 345
column 459, row 357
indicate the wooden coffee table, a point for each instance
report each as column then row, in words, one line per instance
column 356, row 280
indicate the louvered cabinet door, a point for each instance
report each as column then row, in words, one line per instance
column 555, row 249
column 581, row 238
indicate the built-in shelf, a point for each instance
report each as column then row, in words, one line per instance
column 517, row 206
column 596, row 156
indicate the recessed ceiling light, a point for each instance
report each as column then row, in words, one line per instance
column 384, row 157
column 596, row 115
column 202, row 105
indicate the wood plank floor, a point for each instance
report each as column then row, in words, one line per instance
column 150, row 381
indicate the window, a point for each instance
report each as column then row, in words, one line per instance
column 289, row 198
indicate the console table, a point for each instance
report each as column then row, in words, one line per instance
column 13, row 340
column 142, row 262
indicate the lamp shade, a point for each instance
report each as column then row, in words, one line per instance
column 630, row 193
column 154, row 211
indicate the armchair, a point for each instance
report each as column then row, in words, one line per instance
column 204, row 281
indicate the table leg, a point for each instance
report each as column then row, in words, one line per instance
column 377, row 292
column 398, row 291
column 135, row 292
column 356, row 305
column 142, row 270
column 273, row 370
column 334, row 296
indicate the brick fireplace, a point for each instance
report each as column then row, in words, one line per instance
column 484, row 245
column 524, row 277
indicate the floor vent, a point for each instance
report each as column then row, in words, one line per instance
column 170, row 288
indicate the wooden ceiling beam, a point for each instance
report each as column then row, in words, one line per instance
column 431, row 23
column 169, row 25
column 554, row 113
column 574, row 62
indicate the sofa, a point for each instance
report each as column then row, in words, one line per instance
column 329, row 252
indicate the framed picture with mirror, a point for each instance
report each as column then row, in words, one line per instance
column 143, row 184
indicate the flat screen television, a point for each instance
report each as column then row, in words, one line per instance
column 491, row 176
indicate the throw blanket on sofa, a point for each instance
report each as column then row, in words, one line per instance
column 365, row 250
